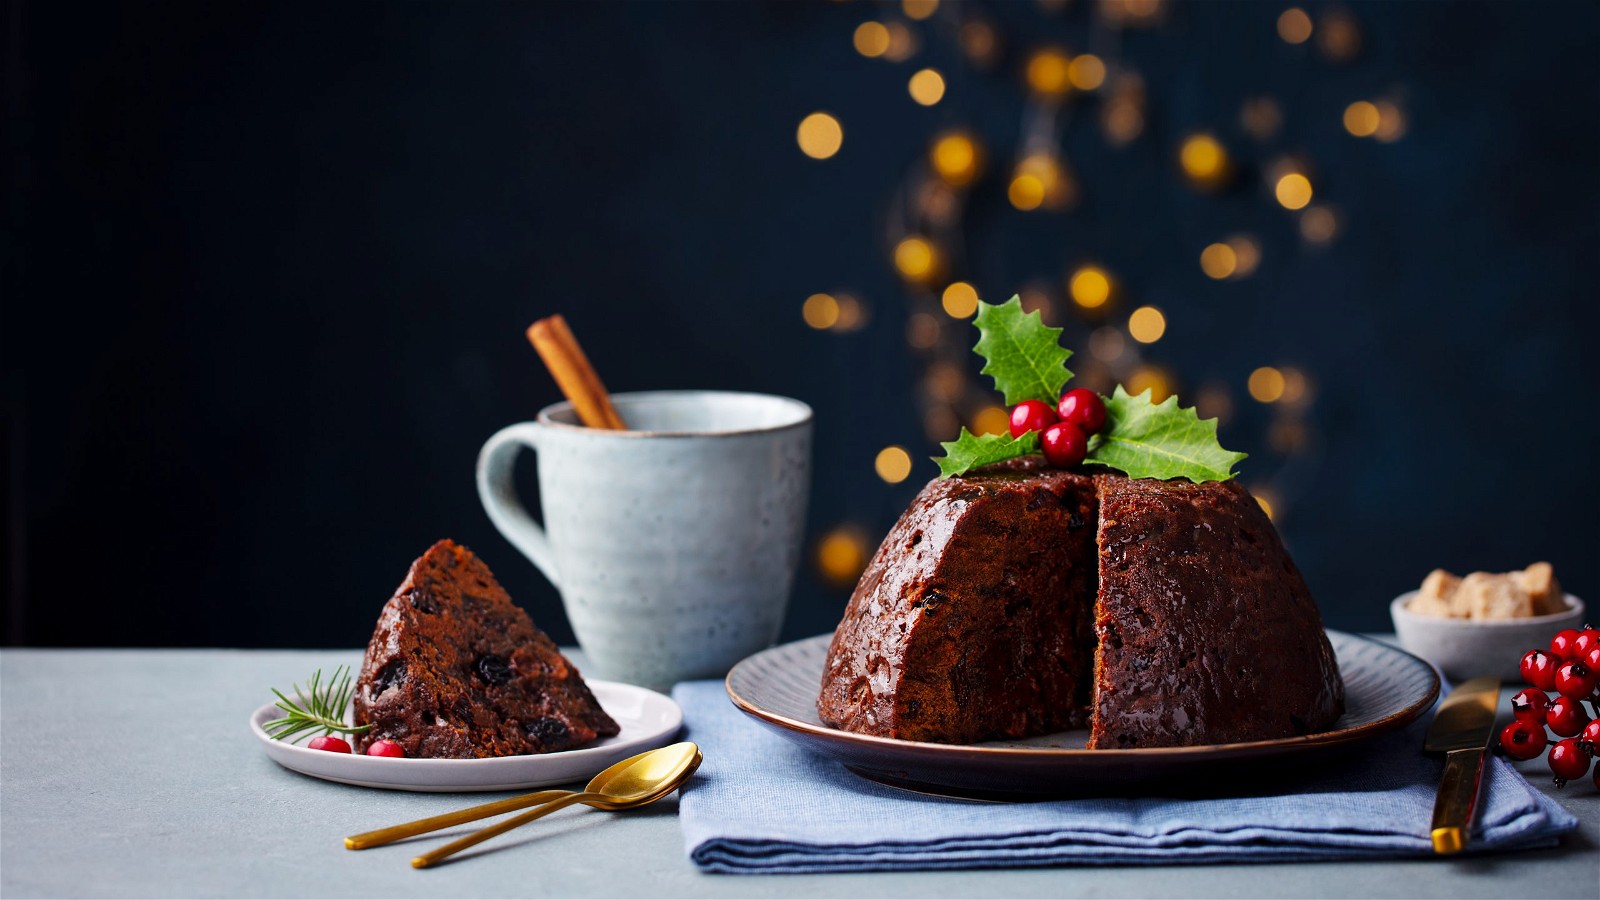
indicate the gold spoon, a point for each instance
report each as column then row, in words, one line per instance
column 394, row 833
column 634, row 782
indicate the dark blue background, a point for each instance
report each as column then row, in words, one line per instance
column 268, row 266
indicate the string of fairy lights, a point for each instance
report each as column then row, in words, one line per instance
column 927, row 224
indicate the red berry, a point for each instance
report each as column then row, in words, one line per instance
column 386, row 748
column 329, row 743
column 1529, row 704
column 1561, row 644
column 1064, row 445
column 1031, row 415
column 1568, row 761
column 1539, row 670
column 1573, row 679
column 1590, row 735
column 1587, row 640
column 1523, row 740
column 1083, row 408
column 1592, row 658
column 1565, row 716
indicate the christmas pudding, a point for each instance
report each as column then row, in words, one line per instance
column 1097, row 566
column 1019, row 600
column 456, row 670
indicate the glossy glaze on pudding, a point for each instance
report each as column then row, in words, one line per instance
column 1021, row 600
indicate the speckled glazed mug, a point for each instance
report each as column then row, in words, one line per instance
column 673, row 544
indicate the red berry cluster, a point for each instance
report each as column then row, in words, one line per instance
column 1572, row 670
column 337, row 745
column 1066, row 429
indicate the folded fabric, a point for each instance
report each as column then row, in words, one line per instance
column 761, row 804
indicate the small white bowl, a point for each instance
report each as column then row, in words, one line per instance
column 1468, row 648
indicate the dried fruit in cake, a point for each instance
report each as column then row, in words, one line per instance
column 455, row 669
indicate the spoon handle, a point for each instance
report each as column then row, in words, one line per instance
column 433, row 823
column 499, row 828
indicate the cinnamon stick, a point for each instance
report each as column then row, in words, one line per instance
column 577, row 378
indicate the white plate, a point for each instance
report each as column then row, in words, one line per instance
column 648, row 720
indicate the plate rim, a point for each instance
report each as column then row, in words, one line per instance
column 504, row 767
column 1391, row 722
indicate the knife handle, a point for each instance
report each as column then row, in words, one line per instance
column 1458, row 796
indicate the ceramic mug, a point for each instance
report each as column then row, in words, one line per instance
column 674, row 544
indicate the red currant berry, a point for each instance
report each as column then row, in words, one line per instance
column 1523, row 740
column 1573, row 679
column 329, row 743
column 1083, row 408
column 1031, row 415
column 1539, row 670
column 1590, row 735
column 1592, row 658
column 386, row 748
column 1587, row 640
column 1529, row 704
column 1064, row 445
column 1561, row 644
column 1565, row 716
column 1568, row 761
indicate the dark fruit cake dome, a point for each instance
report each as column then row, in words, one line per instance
column 1096, row 567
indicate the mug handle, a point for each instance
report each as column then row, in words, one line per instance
column 499, row 495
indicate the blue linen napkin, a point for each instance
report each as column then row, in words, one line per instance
column 761, row 804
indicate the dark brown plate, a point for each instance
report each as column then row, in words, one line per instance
column 1385, row 689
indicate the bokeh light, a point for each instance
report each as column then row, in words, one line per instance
column 852, row 313
column 960, row 300
column 902, row 43
column 1218, row 261
column 1204, row 160
column 1361, row 118
column 1294, row 25
column 1213, row 401
column 919, row 9
column 841, row 555
column 917, row 259
column 1261, row 117
column 1293, row 191
column 1264, row 498
column 1090, row 287
column 819, row 135
column 980, row 42
column 926, row 87
column 1338, row 36
column 922, row 330
column 1041, row 181
column 820, row 311
column 1146, row 325
column 893, row 464
column 1086, row 72
column 957, row 157
column 1246, row 255
column 1318, row 224
column 945, row 381
column 1266, row 385
column 991, row 420
column 872, row 39
column 1152, row 379
column 1391, row 125
column 1107, row 344
column 1049, row 72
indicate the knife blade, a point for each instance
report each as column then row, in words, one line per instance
column 1461, row 730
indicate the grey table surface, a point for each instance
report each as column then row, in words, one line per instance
column 133, row 773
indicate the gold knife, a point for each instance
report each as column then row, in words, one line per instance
column 1461, row 731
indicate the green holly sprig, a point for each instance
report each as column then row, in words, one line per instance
column 1141, row 438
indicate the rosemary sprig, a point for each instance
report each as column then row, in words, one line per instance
column 322, row 707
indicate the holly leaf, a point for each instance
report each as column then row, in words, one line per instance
column 1160, row 440
column 969, row 451
column 1023, row 355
